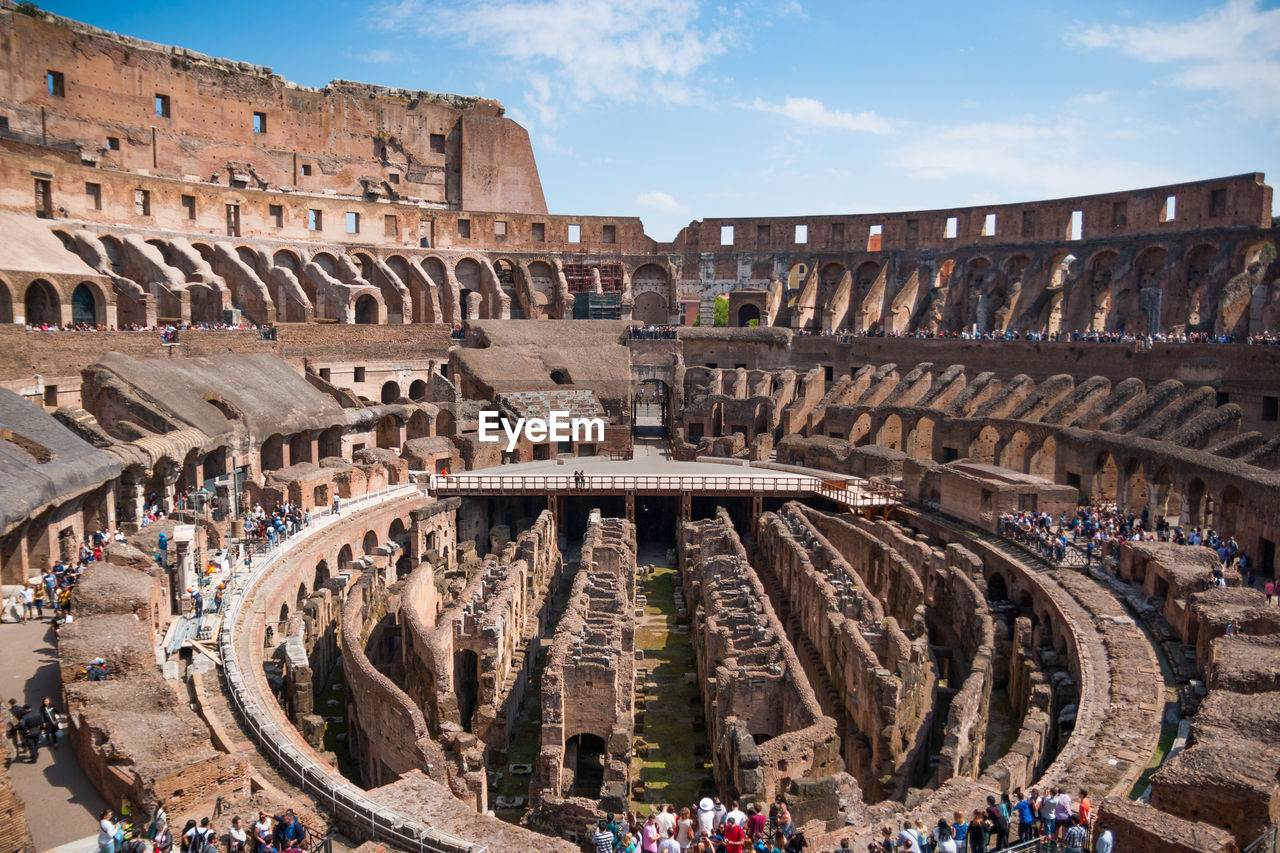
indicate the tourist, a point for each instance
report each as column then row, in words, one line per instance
column 163, row 838
column 1049, row 812
column 736, row 814
column 1062, row 812
column 926, row 839
column 288, row 832
column 669, row 844
column 958, row 829
column 978, row 833
column 946, row 839
column 706, row 816
column 1085, row 809
column 603, row 838
column 611, row 824
column 28, row 604
column 666, row 821
column 757, row 822
column 998, row 822
column 650, row 835
column 32, row 726
column 1270, row 589
column 106, row 832
column 1075, row 836
column 1026, row 818
column 721, row 811
column 1105, row 842
column 237, row 838
column 49, row 721
column 261, row 832
column 908, row 842
column 734, row 836
column 684, row 828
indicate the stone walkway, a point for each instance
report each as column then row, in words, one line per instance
column 62, row 806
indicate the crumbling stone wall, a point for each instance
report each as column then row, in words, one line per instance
column 588, row 682
column 767, row 726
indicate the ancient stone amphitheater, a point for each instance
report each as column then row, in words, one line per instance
column 779, row 575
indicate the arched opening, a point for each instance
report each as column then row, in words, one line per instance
column 1105, row 477
column 466, row 685
column 890, row 434
column 920, row 442
column 366, row 310
column 331, row 442
column 1229, row 513
column 271, row 457
column 748, row 314
column 214, row 465
column 1135, row 488
column 1100, row 291
column 6, row 304
column 322, row 574
column 1043, row 459
column 388, row 432
column 583, row 766
column 418, row 390
column 84, row 306
column 396, row 531
column 300, row 448
column 345, row 556
column 542, row 288
column 983, row 448
column 390, row 392
column 303, row 592
column 650, row 308
column 861, row 432
column 1167, row 504
column 997, row 588
column 1014, row 454
column 41, row 304
column 370, row 543
column 419, row 426
column 468, row 273
column 284, row 620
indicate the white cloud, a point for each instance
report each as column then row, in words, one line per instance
column 379, row 56
column 576, row 51
column 1233, row 49
column 808, row 112
column 661, row 201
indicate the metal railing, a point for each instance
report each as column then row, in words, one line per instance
column 855, row 492
column 1267, row 842
column 1050, row 550
column 341, row 798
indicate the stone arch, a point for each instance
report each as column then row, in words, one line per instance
column 366, row 310
column 860, row 434
column 1105, row 478
column 920, row 441
column 650, row 308
column 1228, row 519
column 322, row 574
column 747, row 314
column 1133, row 489
column 1199, row 509
column 271, row 454
column 41, row 303
column 890, row 433
column 542, row 288
column 369, row 544
column 469, row 273
column 345, row 557
column 983, row 447
column 418, row 390
column 1042, row 461
column 1129, row 303
column 388, row 432
column 396, row 530
column 87, row 305
column 1014, row 453
column 287, row 259
column 1198, row 298
column 418, row 426
column 331, row 442
column 1168, row 504
column 1099, row 306
column 829, row 276
column 390, row 391
column 6, row 303
column 326, row 262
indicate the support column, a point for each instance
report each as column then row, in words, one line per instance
column 686, row 506
column 631, row 507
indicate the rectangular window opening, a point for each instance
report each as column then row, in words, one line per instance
column 276, row 214
column 1170, row 212
column 359, row 377
column 500, row 229
column 837, row 233
column 113, row 143
column 393, row 178
column 57, row 84
column 802, row 234
column 464, row 229
column 1028, row 224
column 913, row 232
column 726, row 235
column 1076, row 229
column 353, row 222
column 142, row 202
column 952, row 228
column 259, row 122
column 1221, row 398
column 610, row 234
column 875, row 238
column 44, row 198
column 1271, row 409
column 1218, row 202
column 989, row 225
column 575, row 233
column 1119, row 214
column 539, row 230
column 162, row 106
column 762, row 235
column 306, row 170
column 233, row 220
column 51, row 395
column 324, row 374
column 315, row 220
column 189, row 206
column 93, row 196
column 390, row 225
column 437, row 143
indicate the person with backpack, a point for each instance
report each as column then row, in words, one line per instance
column 999, row 823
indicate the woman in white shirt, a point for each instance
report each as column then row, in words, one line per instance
column 106, row 832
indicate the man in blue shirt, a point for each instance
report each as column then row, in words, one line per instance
column 1025, row 818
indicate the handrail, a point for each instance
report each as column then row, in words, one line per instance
column 322, row 781
column 856, row 491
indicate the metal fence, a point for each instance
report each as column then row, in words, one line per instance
column 342, row 799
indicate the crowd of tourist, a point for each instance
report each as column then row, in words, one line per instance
column 458, row 333
column 278, row 525
column 1053, row 819
column 282, row 833
column 652, row 332
column 267, row 331
column 1113, row 337
column 1093, row 527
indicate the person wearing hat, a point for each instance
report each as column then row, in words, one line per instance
column 706, row 816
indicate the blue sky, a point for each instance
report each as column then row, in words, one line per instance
column 674, row 110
